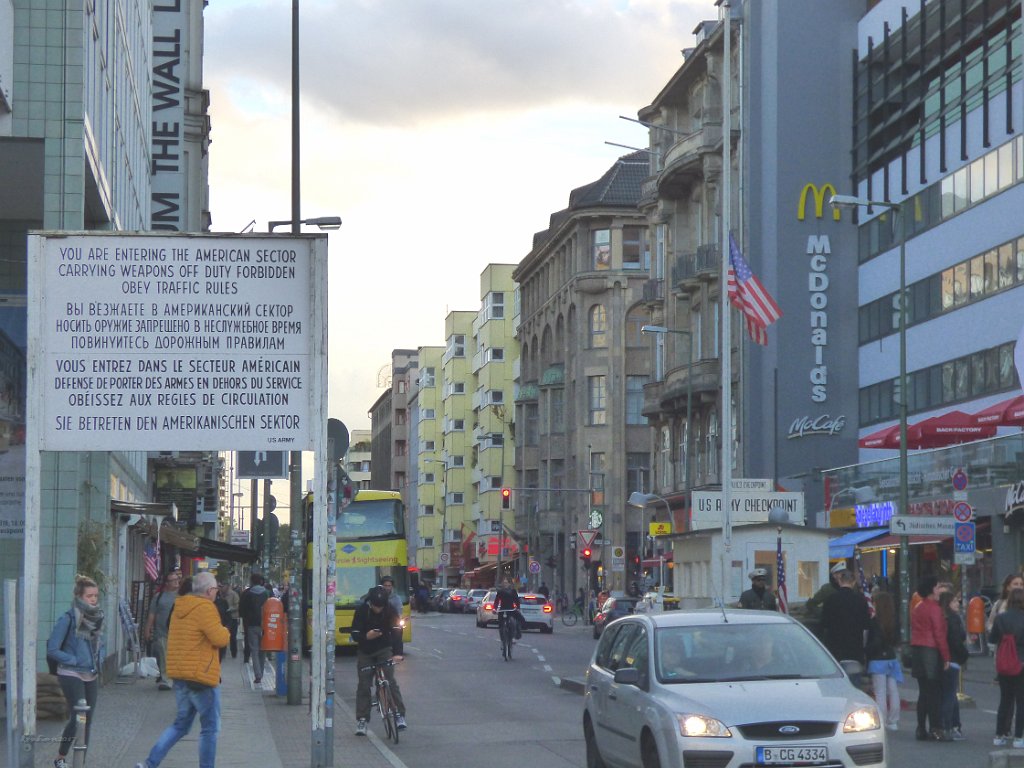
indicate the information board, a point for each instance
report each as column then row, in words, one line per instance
column 177, row 341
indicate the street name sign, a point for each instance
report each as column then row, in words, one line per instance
column 928, row 525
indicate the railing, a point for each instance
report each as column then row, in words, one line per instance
column 654, row 290
column 705, row 261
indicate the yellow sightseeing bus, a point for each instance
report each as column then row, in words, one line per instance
column 371, row 545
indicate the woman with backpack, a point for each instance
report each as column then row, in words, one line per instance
column 76, row 646
column 1010, row 623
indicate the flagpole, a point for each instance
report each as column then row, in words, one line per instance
column 726, row 345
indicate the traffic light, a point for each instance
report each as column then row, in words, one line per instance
column 585, row 554
column 506, row 498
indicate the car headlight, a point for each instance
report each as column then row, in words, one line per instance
column 865, row 719
column 702, row 726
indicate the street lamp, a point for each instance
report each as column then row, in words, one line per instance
column 849, row 201
column 444, row 516
column 641, row 501
column 324, row 222
column 660, row 329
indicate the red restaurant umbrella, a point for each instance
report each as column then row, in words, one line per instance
column 883, row 438
column 1007, row 413
column 947, row 429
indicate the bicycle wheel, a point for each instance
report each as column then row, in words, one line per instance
column 506, row 639
column 569, row 618
column 387, row 711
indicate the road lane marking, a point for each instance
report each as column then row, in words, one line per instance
column 386, row 753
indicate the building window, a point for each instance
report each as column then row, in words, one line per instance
column 496, row 397
column 428, row 413
column 399, row 480
column 494, row 355
column 428, row 477
column 457, row 497
column 494, row 305
column 426, row 377
column 403, row 386
column 458, row 461
column 557, row 414
column 636, row 320
column 495, row 482
column 633, row 247
column 457, row 346
column 399, row 417
column 636, row 472
column 458, row 388
column 427, row 541
column 496, row 439
column 458, row 425
column 400, row 448
column 635, row 399
column 598, row 327
column 601, row 249
column 532, row 419
column 597, row 397
column 428, row 509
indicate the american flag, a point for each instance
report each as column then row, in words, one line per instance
column 151, row 558
column 780, row 567
column 750, row 297
column 864, row 587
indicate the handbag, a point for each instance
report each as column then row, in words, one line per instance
column 1007, row 662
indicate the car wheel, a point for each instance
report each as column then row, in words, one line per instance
column 594, row 759
column 649, row 752
column 479, row 625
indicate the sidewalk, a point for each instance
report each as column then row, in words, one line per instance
column 257, row 727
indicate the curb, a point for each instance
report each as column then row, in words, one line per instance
column 572, row 685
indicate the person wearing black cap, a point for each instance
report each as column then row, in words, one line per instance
column 378, row 637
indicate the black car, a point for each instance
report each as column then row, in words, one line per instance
column 613, row 608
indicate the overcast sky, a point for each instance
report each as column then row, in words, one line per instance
column 443, row 132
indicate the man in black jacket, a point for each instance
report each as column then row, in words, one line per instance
column 378, row 637
column 845, row 620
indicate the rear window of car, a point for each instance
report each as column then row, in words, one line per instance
column 532, row 600
column 478, row 592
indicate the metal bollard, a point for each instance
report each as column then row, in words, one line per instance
column 80, row 748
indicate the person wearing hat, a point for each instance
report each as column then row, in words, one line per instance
column 758, row 597
column 815, row 602
column 378, row 637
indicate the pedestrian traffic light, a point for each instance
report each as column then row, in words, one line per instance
column 506, row 498
column 585, row 554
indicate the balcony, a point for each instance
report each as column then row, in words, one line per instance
column 684, row 161
column 705, row 264
column 654, row 290
column 701, row 380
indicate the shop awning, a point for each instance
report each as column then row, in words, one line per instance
column 1007, row 413
column 947, row 429
column 221, row 550
column 886, row 542
column 883, row 438
column 842, row 546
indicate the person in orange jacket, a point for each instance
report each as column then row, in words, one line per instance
column 193, row 662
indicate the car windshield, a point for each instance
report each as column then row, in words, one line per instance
column 728, row 652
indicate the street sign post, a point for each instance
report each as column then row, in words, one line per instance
column 909, row 525
column 964, row 538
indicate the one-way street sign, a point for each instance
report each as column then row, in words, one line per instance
column 256, row 465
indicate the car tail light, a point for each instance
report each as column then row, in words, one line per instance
column 488, row 607
column 548, row 608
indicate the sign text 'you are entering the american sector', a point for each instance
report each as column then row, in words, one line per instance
column 193, row 342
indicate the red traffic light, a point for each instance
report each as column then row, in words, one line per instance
column 506, row 498
column 506, row 493
column 586, row 553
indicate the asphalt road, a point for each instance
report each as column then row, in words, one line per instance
column 466, row 706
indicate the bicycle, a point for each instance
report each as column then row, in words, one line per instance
column 572, row 615
column 506, row 632
column 383, row 699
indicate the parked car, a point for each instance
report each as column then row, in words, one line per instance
column 613, row 608
column 473, row 599
column 485, row 611
column 438, row 598
column 455, row 602
column 538, row 612
column 725, row 688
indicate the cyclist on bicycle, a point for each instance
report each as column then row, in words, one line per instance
column 507, row 599
column 378, row 637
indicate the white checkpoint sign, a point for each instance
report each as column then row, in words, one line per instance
column 176, row 342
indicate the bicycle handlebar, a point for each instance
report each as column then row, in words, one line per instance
column 375, row 665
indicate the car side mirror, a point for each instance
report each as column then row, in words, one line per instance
column 627, row 676
column 852, row 667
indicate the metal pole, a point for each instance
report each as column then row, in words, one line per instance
column 726, row 350
column 12, row 698
column 257, row 544
column 295, row 596
column 904, row 490
column 81, row 747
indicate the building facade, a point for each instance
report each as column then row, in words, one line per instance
column 582, row 442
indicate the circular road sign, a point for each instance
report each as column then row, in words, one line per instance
column 534, row 566
column 964, row 533
column 962, row 511
column 445, row 557
column 959, row 480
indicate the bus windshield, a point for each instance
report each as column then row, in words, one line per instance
column 371, row 519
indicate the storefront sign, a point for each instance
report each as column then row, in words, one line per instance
column 1014, row 501
column 875, row 514
column 816, row 425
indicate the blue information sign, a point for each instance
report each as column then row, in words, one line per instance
column 964, row 538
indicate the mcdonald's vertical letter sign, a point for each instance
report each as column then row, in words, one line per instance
column 820, row 195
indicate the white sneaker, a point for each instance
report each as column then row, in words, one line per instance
column 893, row 726
column 400, row 721
column 1018, row 743
column 360, row 728
column 1000, row 741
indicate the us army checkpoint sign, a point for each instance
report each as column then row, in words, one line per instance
column 145, row 341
